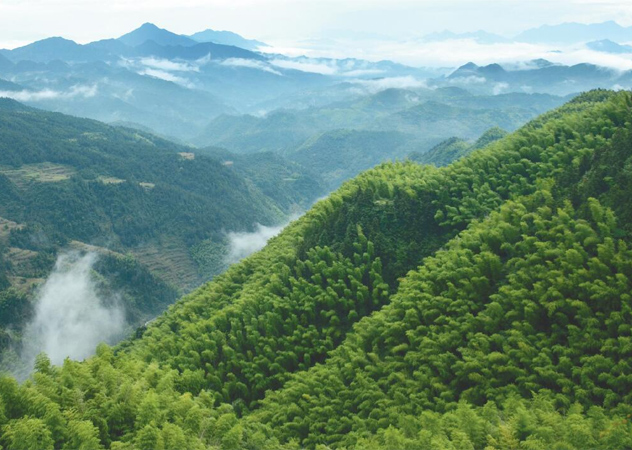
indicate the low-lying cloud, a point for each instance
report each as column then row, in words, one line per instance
column 71, row 318
column 167, row 76
column 243, row 244
column 451, row 53
column 381, row 84
column 306, row 66
column 79, row 91
column 249, row 63
column 168, row 65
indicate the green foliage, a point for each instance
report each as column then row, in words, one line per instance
column 70, row 182
column 28, row 434
column 454, row 148
column 484, row 305
column 342, row 154
column 289, row 184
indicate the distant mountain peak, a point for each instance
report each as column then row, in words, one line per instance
column 574, row 32
column 148, row 26
column 608, row 46
column 541, row 63
column 468, row 66
column 151, row 32
column 227, row 38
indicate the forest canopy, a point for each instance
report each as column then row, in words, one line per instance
column 481, row 305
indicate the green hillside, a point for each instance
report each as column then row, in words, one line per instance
column 429, row 115
column 455, row 148
column 145, row 204
column 342, row 154
column 482, row 305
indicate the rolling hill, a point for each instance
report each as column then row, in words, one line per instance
column 480, row 305
column 426, row 116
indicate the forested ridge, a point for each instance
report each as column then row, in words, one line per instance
column 482, row 305
column 455, row 148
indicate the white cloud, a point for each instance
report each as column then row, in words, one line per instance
column 499, row 88
column 244, row 244
column 465, row 81
column 125, row 96
column 448, row 53
column 581, row 55
column 49, row 94
column 70, row 316
column 250, row 63
column 381, row 84
column 166, row 76
column 168, row 65
column 306, row 66
column 362, row 72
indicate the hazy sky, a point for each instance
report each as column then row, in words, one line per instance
column 23, row 21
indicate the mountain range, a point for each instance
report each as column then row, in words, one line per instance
column 536, row 76
column 176, row 85
column 564, row 33
column 568, row 33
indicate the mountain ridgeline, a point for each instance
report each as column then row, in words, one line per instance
column 482, row 305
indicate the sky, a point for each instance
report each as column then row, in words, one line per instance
column 298, row 26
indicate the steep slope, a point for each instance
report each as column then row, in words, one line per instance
column 436, row 119
column 115, row 94
column 518, row 304
column 195, row 51
column 369, row 319
column 443, row 153
column 5, row 64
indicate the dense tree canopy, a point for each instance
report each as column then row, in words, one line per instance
column 483, row 305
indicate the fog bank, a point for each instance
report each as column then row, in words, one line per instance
column 71, row 318
column 243, row 244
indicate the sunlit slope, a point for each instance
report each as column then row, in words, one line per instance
column 512, row 265
column 532, row 300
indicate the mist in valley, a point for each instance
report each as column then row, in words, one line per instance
column 71, row 316
column 243, row 244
